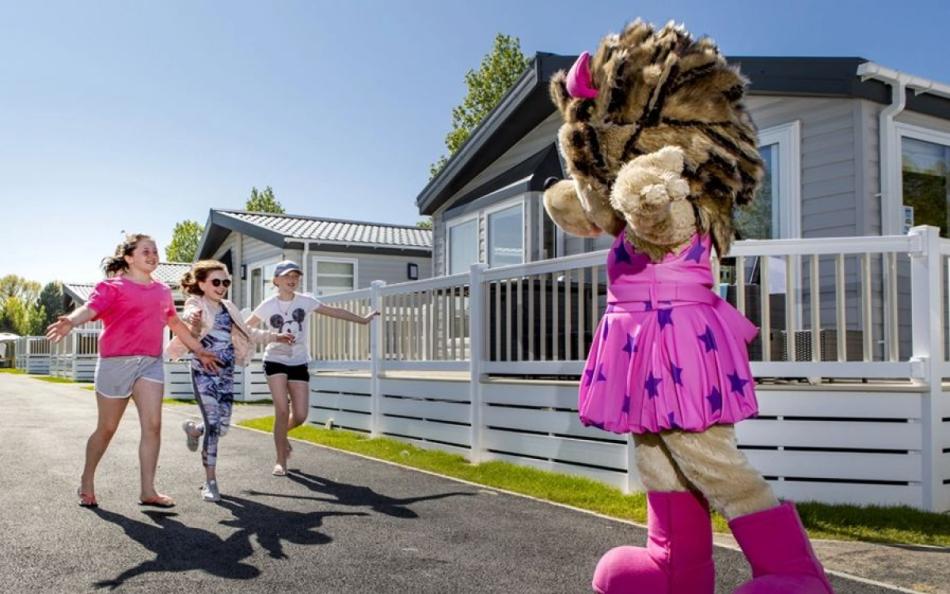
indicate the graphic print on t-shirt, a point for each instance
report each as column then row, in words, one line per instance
column 292, row 322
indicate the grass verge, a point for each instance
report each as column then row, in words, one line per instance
column 185, row 401
column 54, row 380
column 889, row 525
column 12, row 370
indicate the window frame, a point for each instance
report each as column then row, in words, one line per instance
column 457, row 222
column 261, row 265
column 314, row 265
column 914, row 132
column 495, row 209
column 789, row 208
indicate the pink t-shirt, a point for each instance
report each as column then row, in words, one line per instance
column 134, row 316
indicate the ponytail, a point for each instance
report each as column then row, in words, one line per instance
column 116, row 264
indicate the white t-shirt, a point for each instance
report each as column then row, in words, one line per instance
column 288, row 316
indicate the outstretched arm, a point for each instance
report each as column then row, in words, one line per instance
column 183, row 332
column 63, row 325
column 343, row 314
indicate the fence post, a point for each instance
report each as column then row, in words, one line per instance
column 476, row 354
column 376, row 337
column 925, row 271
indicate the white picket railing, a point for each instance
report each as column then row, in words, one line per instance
column 33, row 354
column 850, row 362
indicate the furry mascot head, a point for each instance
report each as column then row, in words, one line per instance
column 661, row 149
column 643, row 91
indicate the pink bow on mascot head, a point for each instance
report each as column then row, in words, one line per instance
column 579, row 83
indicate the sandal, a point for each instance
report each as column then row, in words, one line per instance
column 86, row 499
column 279, row 470
column 163, row 501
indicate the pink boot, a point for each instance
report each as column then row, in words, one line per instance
column 678, row 555
column 777, row 547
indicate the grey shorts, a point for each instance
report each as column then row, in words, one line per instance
column 115, row 376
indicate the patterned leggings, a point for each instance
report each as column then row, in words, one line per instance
column 215, row 395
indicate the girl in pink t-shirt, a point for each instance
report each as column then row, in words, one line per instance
column 134, row 309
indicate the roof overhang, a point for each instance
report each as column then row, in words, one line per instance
column 527, row 104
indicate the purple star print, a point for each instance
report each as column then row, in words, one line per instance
column 620, row 254
column 708, row 339
column 696, row 251
column 665, row 317
column 737, row 383
column 715, row 400
column 631, row 345
column 652, row 385
column 677, row 373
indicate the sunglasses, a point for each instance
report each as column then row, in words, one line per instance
column 217, row 282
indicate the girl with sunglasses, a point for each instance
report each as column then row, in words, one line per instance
column 218, row 324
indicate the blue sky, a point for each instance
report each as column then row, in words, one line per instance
column 134, row 115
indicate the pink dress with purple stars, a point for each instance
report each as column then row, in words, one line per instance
column 668, row 353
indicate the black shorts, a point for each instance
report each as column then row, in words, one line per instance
column 294, row 373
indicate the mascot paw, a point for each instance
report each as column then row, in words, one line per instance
column 566, row 210
column 647, row 185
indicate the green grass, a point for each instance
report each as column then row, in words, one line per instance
column 12, row 370
column 838, row 522
column 54, row 380
column 184, row 401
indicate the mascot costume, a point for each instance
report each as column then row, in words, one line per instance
column 661, row 151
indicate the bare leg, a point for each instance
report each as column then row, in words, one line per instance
column 110, row 413
column 148, row 400
column 299, row 406
column 279, row 391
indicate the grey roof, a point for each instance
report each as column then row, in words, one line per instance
column 169, row 273
column 283, row 229
column 527, row 103
column 79, row 291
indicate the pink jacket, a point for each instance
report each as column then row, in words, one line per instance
column 242, row 336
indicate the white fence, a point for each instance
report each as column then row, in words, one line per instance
column 32, row 354
column 850, row 362
column 250, row 384
column 75, row 356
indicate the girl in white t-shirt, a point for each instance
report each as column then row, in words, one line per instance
column 287, row 365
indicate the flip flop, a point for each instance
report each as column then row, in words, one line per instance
column 163, row 501
column 85, row 499
column 279, row 470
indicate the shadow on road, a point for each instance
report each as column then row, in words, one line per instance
column 272, row 525
column 178, row 547
column 357, row 495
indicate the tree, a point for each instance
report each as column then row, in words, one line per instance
column 425, row 223
column 51, row 300
column 184, row 244
column 263, row 202
column 498, row 71
column 21, row 318
column 16, row 286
